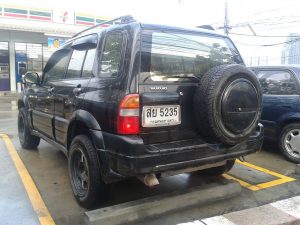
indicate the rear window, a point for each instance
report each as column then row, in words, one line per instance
column 173, row 57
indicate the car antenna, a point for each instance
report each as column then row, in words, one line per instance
column 123, row 20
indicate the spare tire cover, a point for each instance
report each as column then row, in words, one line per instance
column 227, row 104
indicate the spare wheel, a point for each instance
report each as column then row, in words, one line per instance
column 227, row 104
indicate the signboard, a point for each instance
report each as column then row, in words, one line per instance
column 63, row 16
column 54, row 43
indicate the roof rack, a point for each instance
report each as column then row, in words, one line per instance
column 207, row 27
column 122, row 19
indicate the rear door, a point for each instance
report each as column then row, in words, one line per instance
column 280, row 97
column 172, row 63
column 104, row 89
column 69, row 93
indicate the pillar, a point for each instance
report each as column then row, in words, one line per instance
column 12, row 65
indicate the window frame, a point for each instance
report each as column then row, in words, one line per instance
column 94, row 64
column 69, row 45
column 123, row 53
column 292, row 74
column 43, row 83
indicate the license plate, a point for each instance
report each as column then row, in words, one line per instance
column 158, row 116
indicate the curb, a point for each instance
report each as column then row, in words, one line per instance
column 142, row 209
column 7, row 95
column 283, row 212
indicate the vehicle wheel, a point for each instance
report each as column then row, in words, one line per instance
column 84, row 172
column 289, row 142
column 218, row 171
column 227, row 104
column 27, row 140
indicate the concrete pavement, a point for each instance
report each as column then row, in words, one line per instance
column 15, row 206
column 146, row 208
column 283, row 212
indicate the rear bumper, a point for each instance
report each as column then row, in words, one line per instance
column 128, row 156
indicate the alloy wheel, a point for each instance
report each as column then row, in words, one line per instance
column 292, row 143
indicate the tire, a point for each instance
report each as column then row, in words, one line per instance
column 27, row 140
column 227, row 104
column 84, row 172
column 287, row 145
column 218, row 171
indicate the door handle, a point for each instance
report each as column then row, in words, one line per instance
column 51, row 90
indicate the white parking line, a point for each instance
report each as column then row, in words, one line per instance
column 196, row 222
column 290, row 206
column 217, row 220
column 290, row 209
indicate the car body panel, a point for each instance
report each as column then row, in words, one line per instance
column 279, row 110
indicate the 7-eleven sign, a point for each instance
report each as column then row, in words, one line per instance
column 63, row 16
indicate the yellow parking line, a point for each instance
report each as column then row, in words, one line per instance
column 261, row 169
column 282, row 178
column 242, row 183
column 32, row 191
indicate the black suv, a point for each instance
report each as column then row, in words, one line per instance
column 142, row 100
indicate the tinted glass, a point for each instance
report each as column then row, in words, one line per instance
column 111, row 56
column 88, row 63
column 170, row 56
column 277, row 83
column 75, row 65
column 57, row 65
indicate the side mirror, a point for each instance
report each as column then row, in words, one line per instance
column 31, row 78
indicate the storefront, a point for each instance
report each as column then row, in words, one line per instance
column 29, row 36
column 22, row 51
column 30, row 57
column 4, row 67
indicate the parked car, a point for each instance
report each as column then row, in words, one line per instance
column 141, row 100
column 281, row 109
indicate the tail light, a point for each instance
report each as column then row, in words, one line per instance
column 128, row 115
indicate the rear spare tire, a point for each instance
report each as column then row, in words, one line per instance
column 227, row 104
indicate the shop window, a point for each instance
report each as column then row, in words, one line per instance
column 47, row 52
column 34, row 57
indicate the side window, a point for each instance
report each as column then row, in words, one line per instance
column 88, row 63
column 112, row 54
column 75, row 65
column 55, row 68
column 277, row 83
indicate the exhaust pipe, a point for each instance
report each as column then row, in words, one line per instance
column 149, row 180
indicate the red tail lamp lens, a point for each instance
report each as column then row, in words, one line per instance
column 128, row 117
